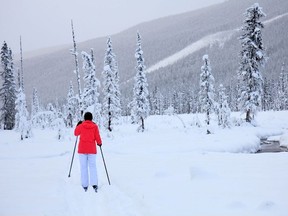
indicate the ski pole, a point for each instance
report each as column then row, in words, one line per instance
column 105, row 165
column 72, row 157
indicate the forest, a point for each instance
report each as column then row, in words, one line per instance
column 248, row 89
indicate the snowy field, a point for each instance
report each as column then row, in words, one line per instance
column 173, row 168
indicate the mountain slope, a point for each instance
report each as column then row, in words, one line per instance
column 166, row 38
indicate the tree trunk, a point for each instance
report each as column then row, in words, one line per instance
column 248, row 118
column 142, row 123
column 109, row 122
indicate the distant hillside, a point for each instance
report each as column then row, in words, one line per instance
column 173, row 48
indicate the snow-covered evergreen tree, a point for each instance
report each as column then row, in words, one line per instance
column 157, row 102
column 193, row 102
column 117, row 92
column 206, row 93
column 252, row 56
column 283, row 89
column 91, row 86
column 48, row 116
column 223, row 110
column 8, row 89
column 140, row 104
column 57, row 120
column 233, row 92
column 74, row 52
column 267, row 95
column 285, row 74
column 176, row 102
column 22, row 116
column 35, row 109
column 111, row 101
column 72, row 106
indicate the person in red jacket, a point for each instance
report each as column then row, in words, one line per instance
column 89, row 138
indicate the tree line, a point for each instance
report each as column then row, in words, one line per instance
column 251, row 94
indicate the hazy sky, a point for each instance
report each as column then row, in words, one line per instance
column 45, row 23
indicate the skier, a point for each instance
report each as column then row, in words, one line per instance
column 89, row 137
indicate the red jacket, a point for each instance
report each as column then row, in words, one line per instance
column 89, row 137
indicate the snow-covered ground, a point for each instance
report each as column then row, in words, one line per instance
column 173, row 168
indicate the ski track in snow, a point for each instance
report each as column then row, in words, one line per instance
column 109, row 199
column 80, row 202
column 36, row 157
column 119, row 202
column 217, row 38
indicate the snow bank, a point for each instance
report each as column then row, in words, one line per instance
column 180, row 133
column 284, row 140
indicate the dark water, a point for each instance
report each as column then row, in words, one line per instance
column 271, row 146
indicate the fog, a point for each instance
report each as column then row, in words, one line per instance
column 43, row 23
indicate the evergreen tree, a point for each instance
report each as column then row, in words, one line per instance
column 72, row 103
column 91, row 85
column 57, row 119
column 274, row 103
column 77, row 72
column 117, row 92
column 283, row 88
column 157, row 102
column 111, row 100
column 285, row 72
column 267, row 95
column 206, row 94
column 223, row 110
column 193, row 102
column 35, row 109
column 8, row 89
column 22, row 123
column 48, row 116
column 252, row 56
column 186, row 102
column 22, row 115
column 176, row 102
column 233, row 93
column 274, row 88
column 140, row 104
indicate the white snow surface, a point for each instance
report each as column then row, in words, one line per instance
column 217, row 38
column 283, row 139
column 173, row 168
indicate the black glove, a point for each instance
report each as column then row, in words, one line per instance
column 99, row 144
column 80, row 122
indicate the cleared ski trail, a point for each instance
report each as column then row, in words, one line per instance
column 38, row 184
column 108, row 201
